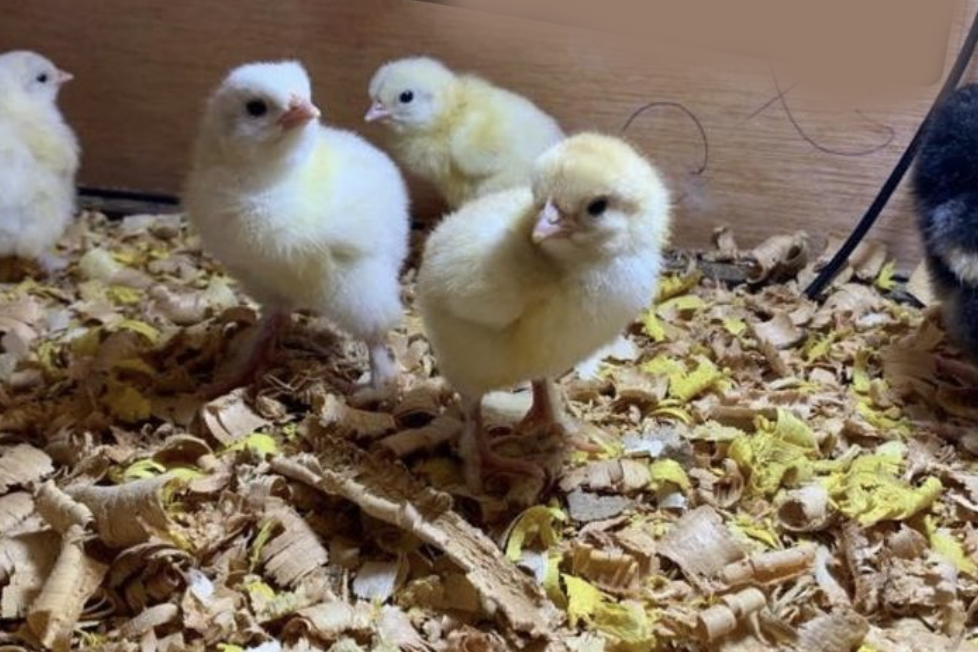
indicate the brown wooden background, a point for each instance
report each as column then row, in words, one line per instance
column 143, row 68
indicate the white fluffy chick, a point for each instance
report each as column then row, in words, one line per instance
column 303, row 215
column 39, row 158
column 460, row 132
column 525, row 283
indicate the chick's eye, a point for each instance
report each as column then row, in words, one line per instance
column 407, row 97
column 597, row 207
column 42, row 78
column 256, row 108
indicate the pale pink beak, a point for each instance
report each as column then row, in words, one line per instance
column 64, row 77
column 551, row 224
column 299, row 113
column 377, row 112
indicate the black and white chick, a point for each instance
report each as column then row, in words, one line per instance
column 945, row 187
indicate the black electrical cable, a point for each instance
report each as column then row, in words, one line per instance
column 832, row 269
column 129, row 195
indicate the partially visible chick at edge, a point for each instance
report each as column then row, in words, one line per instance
column 39, row 156
column 945, row 187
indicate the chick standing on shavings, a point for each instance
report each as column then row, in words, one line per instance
column 523, row 284
column 460, row 132
column 945, row 186
column 303, row 215
column 39, row 158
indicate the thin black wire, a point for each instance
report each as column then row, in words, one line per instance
column 692, row 116
column 841, row 257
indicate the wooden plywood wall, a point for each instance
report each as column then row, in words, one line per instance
column 143, row 68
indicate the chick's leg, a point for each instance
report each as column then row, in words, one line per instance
column 259, row 357
column 547, row 416
column 477, row 455
column 544, row 413
column 51, row 263
column 383, row 367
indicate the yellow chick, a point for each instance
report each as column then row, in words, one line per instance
column 525, row 283
column 39, row 158
column 303, row 215
column 460, row 132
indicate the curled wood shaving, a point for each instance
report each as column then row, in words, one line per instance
column 701, row 546
column 612, row 570
column 838, row 632
column 440, row 431
column 418, row 406
column 99, row 265
column 149, row 620
column 830, row 586
column 296, row 551
column 804, row 510
column 15, row 508
column 623, row 476
column 25, row 562
column 60, row 510
column 337, row 417
column 721, row 620
column 73, row 579
column 229, row 418
column 769, row 567
column 779, row 257
column 126, row 514
column 780, row 332
column 188, row 308
column 387, row 493
column 22, row 464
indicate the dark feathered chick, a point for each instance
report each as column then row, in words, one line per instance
column 945, row 185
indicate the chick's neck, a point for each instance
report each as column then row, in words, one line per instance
column 262, row 164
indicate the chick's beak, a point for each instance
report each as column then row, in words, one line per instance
column 551, row 224
column 299, row 113
column 377, row 112
column 64, row 77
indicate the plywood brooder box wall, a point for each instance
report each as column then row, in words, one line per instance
column 143, row 68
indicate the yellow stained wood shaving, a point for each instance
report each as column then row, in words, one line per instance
column 672, row 285
column 871, row 489
column 126, row 403
column 538, row 523
column 943, row 543
column 151, row 333
column 778, row 452
column 667, row 471
column 885, row 280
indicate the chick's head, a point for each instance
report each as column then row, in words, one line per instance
column 597, row 197
column 31, row 75
column 411, row 94
column 260, row 111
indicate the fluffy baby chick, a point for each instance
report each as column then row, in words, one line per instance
column 460, row 132
column 304, row 216
column 945, row 185
column 39, row 158
column 525, row 283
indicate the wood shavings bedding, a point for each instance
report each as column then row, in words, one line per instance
column 757, row 472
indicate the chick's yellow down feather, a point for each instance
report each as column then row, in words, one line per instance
column 525, row 283
column 38, row 155
column 303, row 215
column 462, row 133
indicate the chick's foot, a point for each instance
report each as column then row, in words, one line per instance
column 543, row 418
column 259, row 359
column 482, row 463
